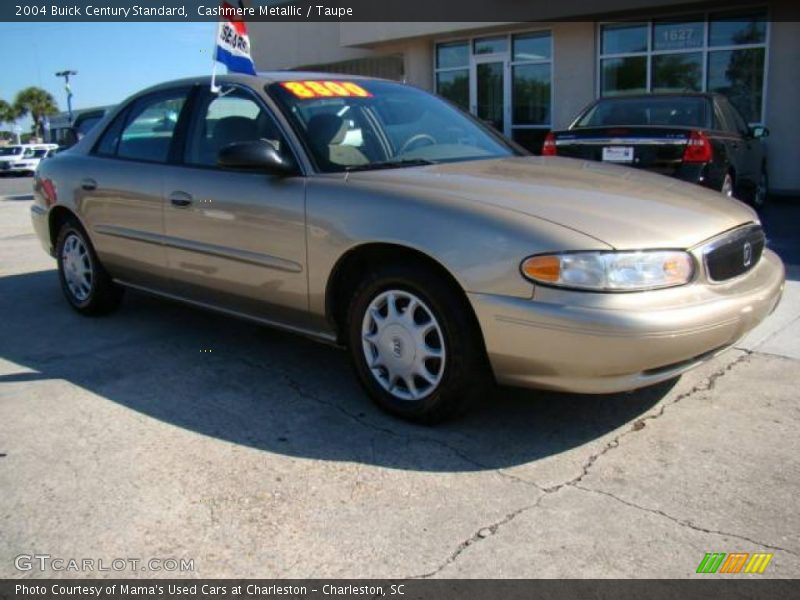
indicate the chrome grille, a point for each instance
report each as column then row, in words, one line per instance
column 735, row 253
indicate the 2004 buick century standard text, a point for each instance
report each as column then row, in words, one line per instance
column 374, row 215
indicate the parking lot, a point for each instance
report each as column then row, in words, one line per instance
column 164, row 431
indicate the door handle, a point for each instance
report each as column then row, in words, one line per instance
column 88, row 184
column 180, row 199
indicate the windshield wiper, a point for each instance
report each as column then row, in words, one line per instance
column 391, row 164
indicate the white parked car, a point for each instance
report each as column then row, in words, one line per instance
column 23, row 159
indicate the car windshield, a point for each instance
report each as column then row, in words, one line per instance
column 370, row 124
column 667, row 111
column 10, row 150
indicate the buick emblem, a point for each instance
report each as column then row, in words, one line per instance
column 397, row 347
column 748, row 254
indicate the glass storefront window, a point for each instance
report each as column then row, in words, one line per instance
column 626, row 75
column 739, row 74
column 671, row 35
column 506, row 80
column 623, row 38
column 454, row 85
column 452, row 55
column 737, row 29
column 531, row 92
column 532, row 47
column 678, row 72
column 721, row 52
column 492, row 45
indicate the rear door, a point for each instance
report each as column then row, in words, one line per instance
column 119, row 187
column 236, row 239
column 746, row 152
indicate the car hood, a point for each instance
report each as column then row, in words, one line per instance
column 623, row 207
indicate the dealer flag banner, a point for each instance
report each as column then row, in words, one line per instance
column 233, row 43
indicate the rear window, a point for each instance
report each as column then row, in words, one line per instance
column 669, row 111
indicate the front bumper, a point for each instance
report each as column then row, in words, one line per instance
column 604, row 343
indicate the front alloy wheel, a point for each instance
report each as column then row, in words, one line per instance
column 403, row 345
column 415, row 344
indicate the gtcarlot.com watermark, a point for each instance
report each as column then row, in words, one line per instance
column 46, row 562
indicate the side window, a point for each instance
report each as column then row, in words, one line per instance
column 148, row 131
column 107, row 146
column 224, row 120
column 720, row 120
column 739, row 121
column 734, row 120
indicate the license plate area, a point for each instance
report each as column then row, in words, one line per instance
column 619, row 154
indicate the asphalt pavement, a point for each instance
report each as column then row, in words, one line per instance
column 165, row 432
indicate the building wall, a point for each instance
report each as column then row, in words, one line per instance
column 783, row 102
column 574, row 68
column 290, row 45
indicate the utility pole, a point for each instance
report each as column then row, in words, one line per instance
column 66, row 75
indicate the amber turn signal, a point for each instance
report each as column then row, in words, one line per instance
column 542, row 268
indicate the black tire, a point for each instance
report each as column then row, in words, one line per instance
column 465, row 373
column 103, row 295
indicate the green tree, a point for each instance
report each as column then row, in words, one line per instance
column 8, row 113
column 37, row 103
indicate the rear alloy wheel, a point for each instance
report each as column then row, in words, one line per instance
column 727, row 186
column 415, row 345
column 86, row 284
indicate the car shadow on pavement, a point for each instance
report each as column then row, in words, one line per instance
column 265, row 389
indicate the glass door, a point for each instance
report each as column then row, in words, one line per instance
column 490, row 95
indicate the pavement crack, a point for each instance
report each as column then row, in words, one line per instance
column 477, row 537
column 706, row 385
column 682, row 522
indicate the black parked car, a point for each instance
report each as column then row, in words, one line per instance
column 700, row 138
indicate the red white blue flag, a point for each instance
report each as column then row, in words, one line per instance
column 233, row 43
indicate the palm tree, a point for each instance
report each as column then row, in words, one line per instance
column 7, row 112
column 36, row 102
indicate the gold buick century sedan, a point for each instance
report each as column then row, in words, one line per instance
column 378, row 217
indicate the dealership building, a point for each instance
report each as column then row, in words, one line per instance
column 527, row 78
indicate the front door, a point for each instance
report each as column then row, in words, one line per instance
column 236, row 239
column 490, row 94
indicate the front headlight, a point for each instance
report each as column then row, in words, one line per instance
column 611, row 271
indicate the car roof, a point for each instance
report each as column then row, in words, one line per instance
column 263, row 78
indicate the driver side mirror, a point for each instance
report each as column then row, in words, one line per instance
column 759, row 132
column 256, row 155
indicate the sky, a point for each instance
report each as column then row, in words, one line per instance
column 113, row 60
